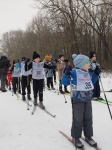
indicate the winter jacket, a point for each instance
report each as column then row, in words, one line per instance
column 60, row 69
column 4, row 65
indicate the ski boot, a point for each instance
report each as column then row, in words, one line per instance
column 28, row 96
column 41, row 105
column 23, row 98
column 77, row 143
column 90, row 141
column 35, row 102
column 62, row 92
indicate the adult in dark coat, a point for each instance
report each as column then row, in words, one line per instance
column 4, row 65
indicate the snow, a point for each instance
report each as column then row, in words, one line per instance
column 19, row 130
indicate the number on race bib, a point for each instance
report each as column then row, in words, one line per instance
column 88, row 85
column 38, row 72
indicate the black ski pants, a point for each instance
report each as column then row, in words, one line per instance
column 38, row 88
column 25, row 81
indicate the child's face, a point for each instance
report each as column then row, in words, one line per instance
column 37, row 60
column 62, row 58
column 86, row 66
column 94, row 57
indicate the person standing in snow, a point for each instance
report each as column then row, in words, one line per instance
column 37, row 71
column 53, row 62
column 25, row 80
column 95, row 68
column 4, row 65
column 81, row 95
column 60, row 69
column 15, row 77
column 49, row 73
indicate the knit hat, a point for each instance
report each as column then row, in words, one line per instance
column 47, row 58
column 79, row 60
column 91, row 54
column 66, row 60
column 23, row 58
column 14, row 61
column 61, row 56
column 35, row 55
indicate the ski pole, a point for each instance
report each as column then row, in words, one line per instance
column 65, row 98
column 106, row 98
column 27, row 88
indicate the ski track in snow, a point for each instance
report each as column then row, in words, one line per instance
column 19, row 130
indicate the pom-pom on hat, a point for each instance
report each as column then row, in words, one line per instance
column 47, row 58
column 35, row 55
column 79, row 60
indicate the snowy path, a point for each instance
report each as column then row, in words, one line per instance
column 19, row 130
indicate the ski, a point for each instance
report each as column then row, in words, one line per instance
column 70, row 140
column 103, row 102
column 95, row 147
column 45, row 110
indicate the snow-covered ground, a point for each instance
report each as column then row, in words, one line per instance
column 19, row 130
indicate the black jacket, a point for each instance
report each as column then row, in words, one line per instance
column 4, row 65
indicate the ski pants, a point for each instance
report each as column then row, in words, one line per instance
column 9, row 76
column 50, row 82
column 96, row 90
column 16, row 84
column 3, row 78
column 38, row 88
column 25, row 81
column 81, row 119
column 54, row 74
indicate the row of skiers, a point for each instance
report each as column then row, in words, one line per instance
column 84, row 81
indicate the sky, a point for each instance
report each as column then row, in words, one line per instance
column 16, row 14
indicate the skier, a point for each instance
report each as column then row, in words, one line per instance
column 49, row 73
column 53, row 62
column 37, row 71
column 25, row 80
column 15, row 77
column 9, row 77
column 67, row 65
column 95, row 68
column 81, row 95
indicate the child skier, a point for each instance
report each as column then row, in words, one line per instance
column 9, row 77
column 25, row 80
column 81, row 95
column 37, row 71
column 15, row 77
column 49, row 73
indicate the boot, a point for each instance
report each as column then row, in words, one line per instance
column 53, row 88
column 77, row 143
column 23, row 98
column 28, row 96
column 66, row 91
column 35, row 102
column 41, row 105
column 62, row 92
column 9, row 88
column 90, row 141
